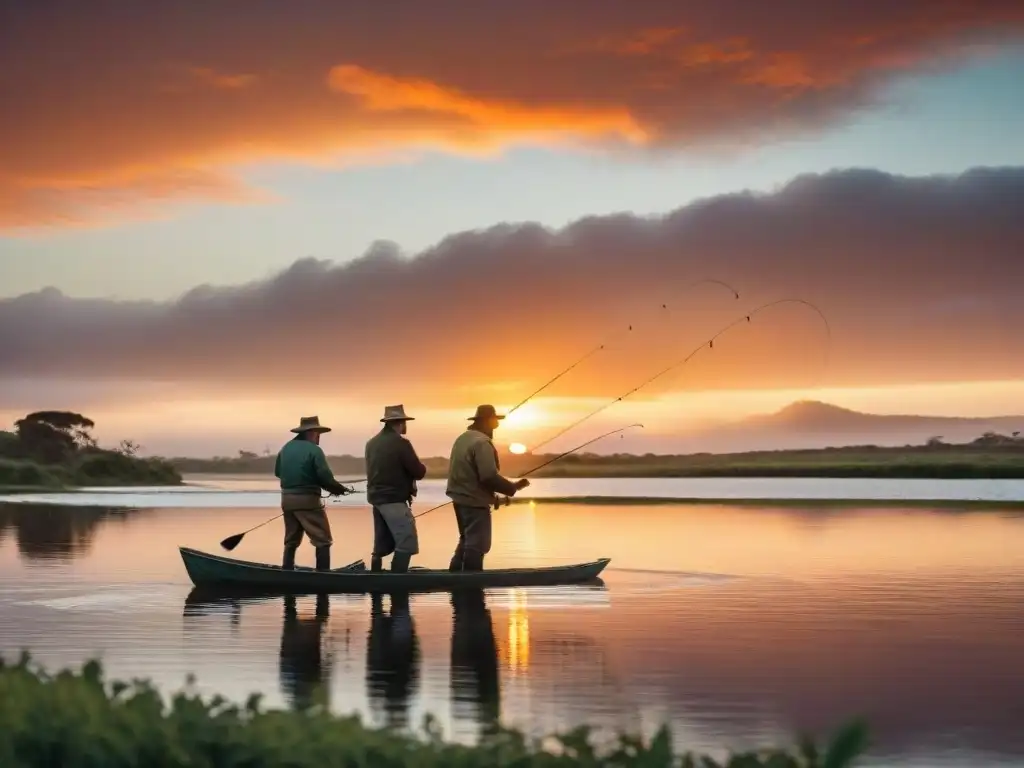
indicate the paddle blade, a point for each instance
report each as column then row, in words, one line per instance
column 232, row 541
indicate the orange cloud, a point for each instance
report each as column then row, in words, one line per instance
column 102, row 201
column 381, row 93
column 316, row 82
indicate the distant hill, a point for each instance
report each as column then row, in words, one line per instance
column 813, row 424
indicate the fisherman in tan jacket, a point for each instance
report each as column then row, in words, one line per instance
column 473, row 480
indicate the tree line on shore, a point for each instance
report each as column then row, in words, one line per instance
column 990, row 455
column 50, row 449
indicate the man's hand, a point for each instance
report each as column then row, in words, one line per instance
column 343, row 490
column 522, row 483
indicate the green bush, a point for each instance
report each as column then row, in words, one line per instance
column 77, row 720
column 28, row 474
column 99, row 467
column 10, row 446
column 93, row 468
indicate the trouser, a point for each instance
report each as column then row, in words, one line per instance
column 394, row 530
column 474, row 538
column 305, row 514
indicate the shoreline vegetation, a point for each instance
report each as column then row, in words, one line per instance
column 991, row 456
column 78, row 718
column 55, row 450
column 950, row 505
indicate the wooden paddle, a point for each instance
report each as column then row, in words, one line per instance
column 233, row 541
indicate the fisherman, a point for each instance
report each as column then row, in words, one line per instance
column 392, row 469
column 473, row 482
column 302, row 468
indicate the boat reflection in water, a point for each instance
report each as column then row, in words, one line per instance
column 304, row 668
column 475, row 690
column 390, row 666
column 392, row 659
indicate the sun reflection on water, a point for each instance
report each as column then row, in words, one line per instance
column 518, row 651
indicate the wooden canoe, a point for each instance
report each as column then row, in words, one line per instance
column 208, row 570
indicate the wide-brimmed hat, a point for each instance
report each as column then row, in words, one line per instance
column 484, row 412
column 310, row 423
column 396, row 413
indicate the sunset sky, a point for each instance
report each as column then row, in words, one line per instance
column 218, row 217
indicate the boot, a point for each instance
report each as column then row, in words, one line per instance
column 288, row 559
column 456, row 562
column 400, row 562
column 375, row 564
column 323, row 558
column 472, row 561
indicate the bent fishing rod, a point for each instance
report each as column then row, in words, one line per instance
column 708, row 344
column 602, row 346
column 549, row 461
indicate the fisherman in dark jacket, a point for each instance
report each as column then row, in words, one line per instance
column 474, row 480
column 392, row 469
column 302, row 469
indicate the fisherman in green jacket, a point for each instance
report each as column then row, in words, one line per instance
column 302, row 468
column 473, row 480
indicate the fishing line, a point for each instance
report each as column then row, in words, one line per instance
column 709, row 344
column 606, row 344
column 552, row 461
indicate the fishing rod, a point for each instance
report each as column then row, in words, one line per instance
column 602, row 346
column 342, row 482
column 709, row 344
column 233, row 541
column 549, row 461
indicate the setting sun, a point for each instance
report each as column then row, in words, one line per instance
column 517, row 448
column 529, row 416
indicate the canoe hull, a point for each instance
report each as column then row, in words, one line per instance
column 208, row 570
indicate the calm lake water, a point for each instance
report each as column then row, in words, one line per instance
column 737, row 625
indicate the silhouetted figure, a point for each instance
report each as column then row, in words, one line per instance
column 475, row 688
column 302, row 468
column 303, row 673
column 474, row 480
column 392, row 469
column 392, row 659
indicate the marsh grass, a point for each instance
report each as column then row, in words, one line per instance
column 925, row 462
column 76, row 719
column 97, row 468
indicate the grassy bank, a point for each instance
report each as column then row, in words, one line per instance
column 55, row 450
column 78, row 720
column 925, row 461
column 102, row 468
